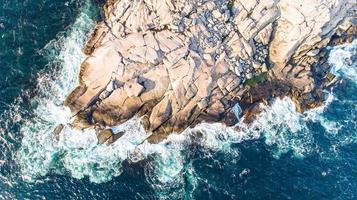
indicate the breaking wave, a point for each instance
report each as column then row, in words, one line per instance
column 38, row 153
column 78, row 154
column 343, row 59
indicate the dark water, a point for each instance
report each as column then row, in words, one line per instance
column 284, row 155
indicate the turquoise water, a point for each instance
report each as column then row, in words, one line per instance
column 283, row 155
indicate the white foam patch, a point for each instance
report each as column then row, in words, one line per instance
column 283, row 128
column 341, row 59
column 84, row 157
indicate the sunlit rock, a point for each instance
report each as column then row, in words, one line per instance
column 175, row 64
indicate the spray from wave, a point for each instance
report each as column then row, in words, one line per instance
column 78, row 154
column 38, row 152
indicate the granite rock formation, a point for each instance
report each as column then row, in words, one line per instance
column 175, row 63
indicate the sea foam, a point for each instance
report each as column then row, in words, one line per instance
column 343, row 60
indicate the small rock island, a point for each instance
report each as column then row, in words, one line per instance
column 176, row 63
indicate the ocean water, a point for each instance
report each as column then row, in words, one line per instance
column 282, row 155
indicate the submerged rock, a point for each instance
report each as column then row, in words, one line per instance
column 178, row 63
column 58, row 131
column 104, row 136
column 108, row 136
column 115, row 137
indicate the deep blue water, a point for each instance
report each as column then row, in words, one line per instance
column 284, row 155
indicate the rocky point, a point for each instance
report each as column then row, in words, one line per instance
column 176, row 63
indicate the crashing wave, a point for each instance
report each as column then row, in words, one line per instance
column 343, row 60
column 38, row 152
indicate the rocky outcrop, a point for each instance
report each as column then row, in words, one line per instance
column 177, row 63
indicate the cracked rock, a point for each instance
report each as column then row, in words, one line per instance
column 177, row 63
